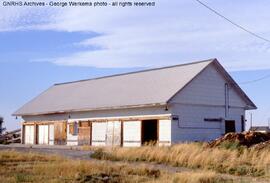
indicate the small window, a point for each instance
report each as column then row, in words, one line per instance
column 72, row 128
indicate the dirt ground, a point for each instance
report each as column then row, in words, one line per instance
column 69, row 152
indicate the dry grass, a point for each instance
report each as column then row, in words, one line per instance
column 238, row 162
column 30, row 167
column 201, row 177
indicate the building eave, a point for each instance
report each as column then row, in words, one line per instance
column 89, row 110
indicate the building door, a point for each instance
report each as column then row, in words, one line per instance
column 51, row 134
column 84, row 133
column 60, row 133
column 98, row 133
column 149, row 131
column 243, row 123
column 229, row 126
column 29, row 134
column 113, row 133
column 43, row 134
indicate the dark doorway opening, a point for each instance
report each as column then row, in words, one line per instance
column 149, row 131
column 229, row 126
column 243, row 123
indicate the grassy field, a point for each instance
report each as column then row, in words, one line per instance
column 31, row 167
column 228, row 158
column 224, row 164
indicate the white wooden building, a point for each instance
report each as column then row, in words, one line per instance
column 197, row 101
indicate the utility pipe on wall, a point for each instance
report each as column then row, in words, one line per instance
column 226, row 100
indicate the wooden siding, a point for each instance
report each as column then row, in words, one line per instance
column 84, row 133
column 208, row 88
column 60, row 133
column 204, row 98
column 192, row 126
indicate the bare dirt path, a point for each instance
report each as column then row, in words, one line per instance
column 69, row 152
column 75, row 152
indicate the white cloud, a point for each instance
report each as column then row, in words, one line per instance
column 170, row 33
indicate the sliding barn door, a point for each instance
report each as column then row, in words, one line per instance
column 113, row 133
column 29, row 134
column 51, row 134
column 99, row 133
column 60, row 133
column 84, row 133
column 43, row 134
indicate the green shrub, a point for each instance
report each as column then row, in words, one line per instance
column 100, row 154
column 231, row 145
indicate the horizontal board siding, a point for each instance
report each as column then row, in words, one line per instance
column 192, row 127
column 208, row 88
column 132, row 134
column 164, row 132
column 235, row 114
column 98, row 133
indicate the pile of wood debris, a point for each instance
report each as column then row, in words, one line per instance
column 262, row 145
column 247, row 139
column 11, row 137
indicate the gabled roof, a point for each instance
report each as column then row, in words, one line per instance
column 136, row 89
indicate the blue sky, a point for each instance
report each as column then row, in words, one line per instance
column 43, row 46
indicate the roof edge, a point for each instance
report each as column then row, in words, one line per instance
column 227, row 76
column 210, row 62
column 31, row 100
column 250, row 104
column 135, row 72
column 88, row 110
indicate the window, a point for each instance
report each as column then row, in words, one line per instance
column 72, row 128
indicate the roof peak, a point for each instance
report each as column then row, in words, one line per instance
column 139, row 71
